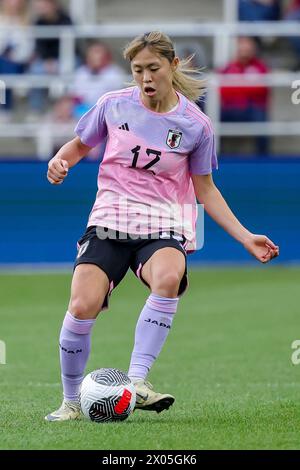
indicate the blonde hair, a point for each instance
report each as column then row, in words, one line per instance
column 161, row 44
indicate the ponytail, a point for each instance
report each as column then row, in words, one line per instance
column 183, row 81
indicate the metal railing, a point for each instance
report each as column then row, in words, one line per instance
column 222, row 35
column 45, row 134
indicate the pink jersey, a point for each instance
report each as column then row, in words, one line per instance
column 144, row 181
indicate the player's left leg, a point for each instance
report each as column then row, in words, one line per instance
column 163, row 272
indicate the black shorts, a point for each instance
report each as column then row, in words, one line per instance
column 115, row 256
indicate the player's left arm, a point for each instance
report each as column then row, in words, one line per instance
column 260, row 246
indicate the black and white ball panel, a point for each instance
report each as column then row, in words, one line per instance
column 113, row 377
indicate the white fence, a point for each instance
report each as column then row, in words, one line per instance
column 44, row 135
column 222, row 35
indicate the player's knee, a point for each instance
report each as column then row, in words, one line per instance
column 166, row 284
column 84, row 309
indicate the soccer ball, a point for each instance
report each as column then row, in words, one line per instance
column 107, row 395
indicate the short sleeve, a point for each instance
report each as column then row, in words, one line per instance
column 91, row 129
column 203, row 159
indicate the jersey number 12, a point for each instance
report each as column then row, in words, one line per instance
column 136, row 153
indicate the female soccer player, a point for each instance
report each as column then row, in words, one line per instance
column 159, row 155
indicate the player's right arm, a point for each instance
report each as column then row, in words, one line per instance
column 67, row 157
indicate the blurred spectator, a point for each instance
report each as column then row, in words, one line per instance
column 62, row 117
column 16, row 46
column 46, row 60
column 293, row 14
column 62, row 114
column 15, row 43
column 97, row 76
column 49, row 13
column 62, row 111
column 259, row 10
column 246, row 103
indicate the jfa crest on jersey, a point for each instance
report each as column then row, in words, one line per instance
column 174, row 139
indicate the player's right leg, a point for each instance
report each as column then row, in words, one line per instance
column 90, row 286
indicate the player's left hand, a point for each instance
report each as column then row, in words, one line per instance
column 261, row 247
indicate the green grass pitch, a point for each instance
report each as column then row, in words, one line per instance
column 227, row 361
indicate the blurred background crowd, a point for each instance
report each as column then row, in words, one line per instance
column 97, row 67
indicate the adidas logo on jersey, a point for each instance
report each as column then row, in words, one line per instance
column 124, row 127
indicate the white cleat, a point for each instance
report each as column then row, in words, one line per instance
column 68, row 410
column 147, row 399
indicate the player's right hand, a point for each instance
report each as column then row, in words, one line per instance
column 57, row 170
